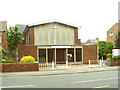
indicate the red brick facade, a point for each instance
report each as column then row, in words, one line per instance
column 114, row 31
column 77, row 41
column 32, row 36
column 89, row 53
column 20, row 67
column 27, row 51
column 4, row 44
column 29, row 31
column 115, row 63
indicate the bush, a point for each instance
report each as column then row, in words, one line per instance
column 116, row 58
column 3, row 57
column 27, row 59
column 0, row 54
column 109, row 55
column 8, row 61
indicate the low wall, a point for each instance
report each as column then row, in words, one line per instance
column 115, row 63
column 20, row 67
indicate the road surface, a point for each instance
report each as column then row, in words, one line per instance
column 107, row 79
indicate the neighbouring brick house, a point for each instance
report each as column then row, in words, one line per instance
column 113, row 32
column 92, row 41
column 3, row 29
column 55, row 40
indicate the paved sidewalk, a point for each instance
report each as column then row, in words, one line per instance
column 59, row 70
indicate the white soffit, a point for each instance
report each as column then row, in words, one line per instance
column 61, row 46
column 52, row 21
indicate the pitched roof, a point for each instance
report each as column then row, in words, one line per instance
column 21, row 27
column 54, row 21
column 3, row 25
column 92, row 40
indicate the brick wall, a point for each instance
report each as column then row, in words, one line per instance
column 32, row 36
column 20, row 67
column 113, row 29
column 30, row 31
column 4, row 41
column 89, row 53
column 115, row 63
column 27, row 50
column 77, row 41
column 4, row 44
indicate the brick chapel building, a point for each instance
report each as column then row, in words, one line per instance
column 56, row 41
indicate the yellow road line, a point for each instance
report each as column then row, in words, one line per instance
column 101, row 87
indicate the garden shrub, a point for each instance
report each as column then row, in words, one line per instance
column 8, row 61
column 27, row 59
column 116, row 58
column 3, row 57
column 109, row 55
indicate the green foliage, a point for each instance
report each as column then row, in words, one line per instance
column 13, row 38
column 109, row 46
column 27, row 59
column 0, row 54
column 116, row 58
column 8, row 61
column 3, row 57
column 117, row 42
column 109, row 55
column 104, row 48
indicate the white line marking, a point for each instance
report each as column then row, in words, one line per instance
column 18, row 86
column 101, row 87
column 96, row 80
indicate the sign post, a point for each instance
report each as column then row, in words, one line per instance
column 66, row 64
column 53, row 65
column 89, row 63
column 100, row 62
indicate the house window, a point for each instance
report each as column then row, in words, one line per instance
column 111, row 33
column 0, row 38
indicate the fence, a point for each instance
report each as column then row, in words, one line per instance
column 51, row 66
column 96, row 62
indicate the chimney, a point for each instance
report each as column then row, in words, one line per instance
column 97, row 38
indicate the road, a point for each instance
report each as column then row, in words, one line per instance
column 108, row 79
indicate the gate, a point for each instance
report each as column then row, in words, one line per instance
column 45, row 66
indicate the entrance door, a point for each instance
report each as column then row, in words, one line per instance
column 60, row 56
column 42, row 55
column 71, row 51
column 51, row 55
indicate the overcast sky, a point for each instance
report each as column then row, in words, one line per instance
column 94, row 16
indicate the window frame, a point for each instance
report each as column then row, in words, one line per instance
column 111, row 34
column 1, row 39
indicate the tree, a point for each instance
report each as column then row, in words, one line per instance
column 13, row 38
column 117, row 41
column 109, row 46
column 0, row 54
column 104, row 48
